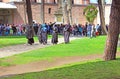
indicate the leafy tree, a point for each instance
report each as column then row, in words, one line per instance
column 90, row 13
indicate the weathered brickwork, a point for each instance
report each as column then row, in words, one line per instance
column 19, row 15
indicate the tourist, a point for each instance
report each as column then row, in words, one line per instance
column 55, row 35
column 39, row 34
column 66, row 32
column 29, row 34
column 44, row 34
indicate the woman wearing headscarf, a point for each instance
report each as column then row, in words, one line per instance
column 39, row 33
column 55, row 35
column 44, row 34
column 66, row 32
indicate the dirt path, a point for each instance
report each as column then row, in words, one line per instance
column 43, row 65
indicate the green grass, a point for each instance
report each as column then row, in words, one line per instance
column 14, row 40
column 79, row 47
column 87, row 70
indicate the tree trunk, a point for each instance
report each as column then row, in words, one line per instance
column 29, row 12
column 70, row 11
column 42, row 12
column 65, row 12
column 102, row 18
column 59, row 4
column 29, row 30
column 24, row 5
column 113, row 32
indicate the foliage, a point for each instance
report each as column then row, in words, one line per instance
column 79, row 47
column 87, row 70
column 90, row 13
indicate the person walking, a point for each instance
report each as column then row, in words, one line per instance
column 93, row 31
column 66, row 32
column 39, row 33
column 55, row 35
column 89, row 30
column 30, row 34
column 43, row 34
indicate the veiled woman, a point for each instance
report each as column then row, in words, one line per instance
column 55, row 35
column 43, row 34
column 39, row 34
column 66, row 32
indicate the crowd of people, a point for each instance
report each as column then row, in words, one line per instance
column 6, row 29
column 42, row 30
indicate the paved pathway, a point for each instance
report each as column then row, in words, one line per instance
column 11, row 50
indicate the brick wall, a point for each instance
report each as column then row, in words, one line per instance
column 36, row 12
column 77, row 14
column 50, row 17
column 19, row 15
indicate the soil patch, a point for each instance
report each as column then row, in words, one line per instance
column 44, row 65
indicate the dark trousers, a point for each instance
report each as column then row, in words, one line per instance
column 30, row 41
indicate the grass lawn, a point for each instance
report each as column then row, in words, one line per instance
column 79, row 47
column 14, row 40
column 86, row 70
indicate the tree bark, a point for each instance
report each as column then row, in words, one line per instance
column 65, row 12
column 24, row 5
column 29, row 29
column 113, row 32
column 42, row 12
column 70, row 11
column 59, row 4
column 29, row 12
column 102, row 18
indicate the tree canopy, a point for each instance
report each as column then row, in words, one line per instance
column 90, row 13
